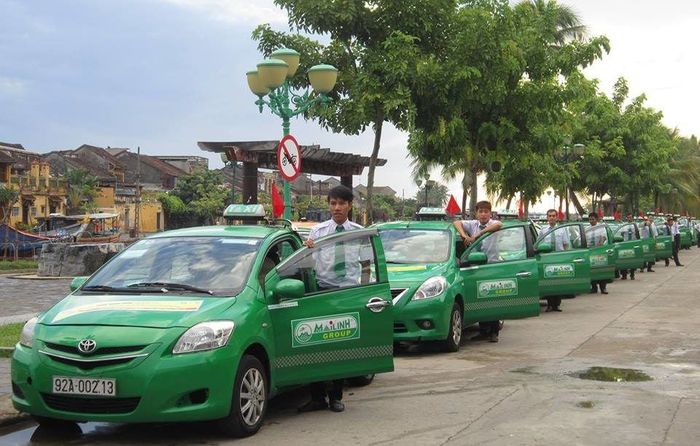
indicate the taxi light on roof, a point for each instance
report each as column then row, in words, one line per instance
column 244, row 211
column 432, row 211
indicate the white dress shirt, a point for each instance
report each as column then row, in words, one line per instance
column 324, row 258
column 471, row 227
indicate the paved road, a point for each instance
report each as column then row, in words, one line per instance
column 22, row 296
column 523, row 390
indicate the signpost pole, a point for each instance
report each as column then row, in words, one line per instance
column 286, row 188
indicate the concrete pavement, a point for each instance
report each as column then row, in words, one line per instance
column 523, row 390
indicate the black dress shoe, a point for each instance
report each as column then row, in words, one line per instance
column 603, row 292
column 493, row 337
column 313, row 405
column 336, row 406
column 556, row 309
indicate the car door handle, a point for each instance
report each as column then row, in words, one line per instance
column 610, row 251
column 523, row 274
column 377, row 304
column 636, row 246
column 578, row 260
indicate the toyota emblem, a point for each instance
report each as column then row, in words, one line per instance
column 87, row 346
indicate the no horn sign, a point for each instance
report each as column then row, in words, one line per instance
column 289, row 158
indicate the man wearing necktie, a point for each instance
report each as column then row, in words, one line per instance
column 470, row 230
column 333, row 270
column 676, row 234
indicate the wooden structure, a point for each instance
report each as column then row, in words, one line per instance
column 263, row 154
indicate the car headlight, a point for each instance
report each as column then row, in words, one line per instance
column 431, row 288
column 204, row 336
column 27, row 335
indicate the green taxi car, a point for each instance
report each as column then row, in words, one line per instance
column 687, row 232
column 602, row 252
column 564, row 264
column 435, row 295
column 205, row 323
column 630, row 254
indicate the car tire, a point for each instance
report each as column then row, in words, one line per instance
column 361, row 381
column 247, row 413
column 454, row 332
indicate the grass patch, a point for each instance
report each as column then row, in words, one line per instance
column 9, row 334
column 10, row 265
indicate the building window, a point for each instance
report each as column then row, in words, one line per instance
column 43, row 210
column 33, row 211
column 15, row 212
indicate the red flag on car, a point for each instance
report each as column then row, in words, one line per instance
column 561, row 215
column 617, row 215
column 452, row 206
column 600, row 213
column 641, row 213
column 277, row 202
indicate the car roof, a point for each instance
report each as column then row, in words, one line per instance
column 250, row 231
column 422, row 224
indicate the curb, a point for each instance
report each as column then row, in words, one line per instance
column 18, row 271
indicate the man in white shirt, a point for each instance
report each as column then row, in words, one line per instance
column 336, row 266
column 470, row 230
column 697, row 232
column 676, row 234
column 597, row 239
column 561, row 241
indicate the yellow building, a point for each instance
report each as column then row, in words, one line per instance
column 40, row 194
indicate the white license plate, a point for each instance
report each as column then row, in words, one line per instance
column 84, row 386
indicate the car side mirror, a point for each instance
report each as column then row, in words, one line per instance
column 543, row 248
column 475, row 258
column 618, row 239
column 77, row 282
column 289, row 289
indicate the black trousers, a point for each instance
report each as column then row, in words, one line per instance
column 697, row 236
column 334, row 391
column 598, row 283
column 676, row 248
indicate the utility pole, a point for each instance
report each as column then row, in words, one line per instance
column 137, row 209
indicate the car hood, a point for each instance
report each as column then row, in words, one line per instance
column 413, row 273
column 161, row 311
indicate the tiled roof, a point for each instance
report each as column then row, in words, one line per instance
column 101, row 152
column 154, row 162
column 10, row 145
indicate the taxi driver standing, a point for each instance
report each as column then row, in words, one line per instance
column 470, row 230
column 332, row 272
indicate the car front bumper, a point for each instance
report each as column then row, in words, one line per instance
column 158, row 388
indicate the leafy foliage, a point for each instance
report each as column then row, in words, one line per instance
column 201, row 194
column 82, row 190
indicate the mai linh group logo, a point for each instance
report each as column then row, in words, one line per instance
column 334, row 328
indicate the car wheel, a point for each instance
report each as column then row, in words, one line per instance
column 454, row 333
column 249, row 401
column 361, row 381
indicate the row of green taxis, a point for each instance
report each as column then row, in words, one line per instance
column 209, row 323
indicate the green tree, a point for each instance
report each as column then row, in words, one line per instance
column 684, row 174
column 203, row 194
column 437, row 195
column 505, row 85
column 378, row 47
column 82, row 190
column 8, row 197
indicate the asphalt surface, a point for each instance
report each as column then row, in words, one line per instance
column 524, row 390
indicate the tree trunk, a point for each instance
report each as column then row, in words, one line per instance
column 510, row 198
column 378, row 122
column 473, row 190
column 576, row 203
column 465, row 187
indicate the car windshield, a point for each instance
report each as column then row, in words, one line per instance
column 415, row 245
column 198, row 265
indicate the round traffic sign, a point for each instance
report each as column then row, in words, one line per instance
column 289, row 158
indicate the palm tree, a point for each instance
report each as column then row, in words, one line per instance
column 568, row 24
column 684, row 175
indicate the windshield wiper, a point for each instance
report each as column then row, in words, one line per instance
column 167, row 286
column 101, row 288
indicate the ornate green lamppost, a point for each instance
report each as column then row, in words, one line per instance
column 271, row 84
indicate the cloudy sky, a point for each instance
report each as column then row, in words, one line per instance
column 164, row 74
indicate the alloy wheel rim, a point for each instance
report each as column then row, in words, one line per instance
column 456, row 327
column 252, row 399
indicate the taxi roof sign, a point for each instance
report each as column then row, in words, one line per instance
column 432, row 211
column 244, row 211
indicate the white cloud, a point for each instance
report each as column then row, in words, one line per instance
column 10, row 86
column 235, row 11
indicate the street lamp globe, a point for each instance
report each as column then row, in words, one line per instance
column 322, row 78
column 290, row 57
column 272, row 72
column 255, row 84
